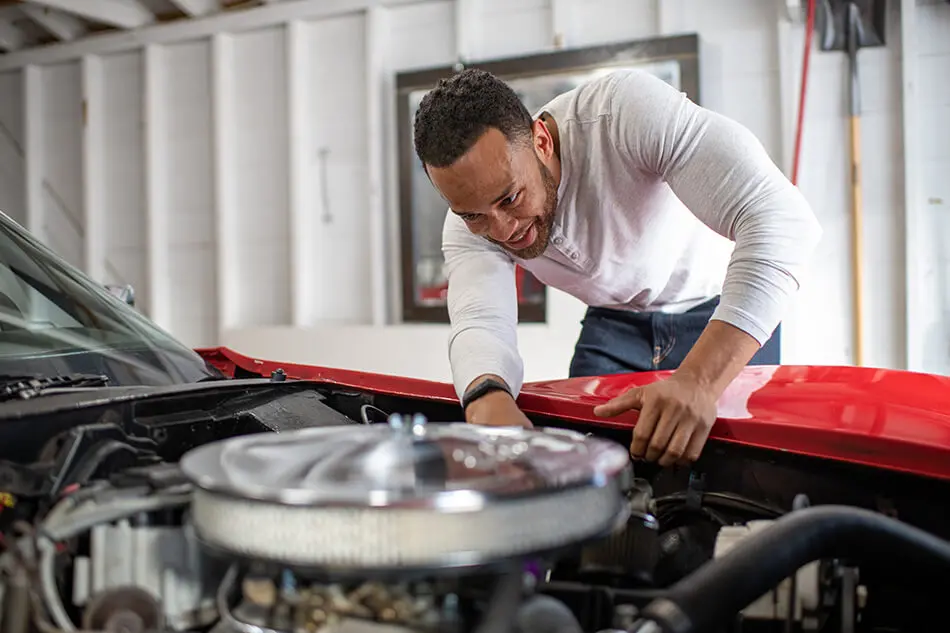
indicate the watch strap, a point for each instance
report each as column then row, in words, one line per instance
column 484, row 387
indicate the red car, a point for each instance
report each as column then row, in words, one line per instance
column 145, row 486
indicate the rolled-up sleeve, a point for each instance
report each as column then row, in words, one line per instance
column 483, row 308
column 723, row 174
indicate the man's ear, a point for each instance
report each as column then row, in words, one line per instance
column 543, row 139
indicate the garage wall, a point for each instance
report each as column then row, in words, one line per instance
column 201, row 161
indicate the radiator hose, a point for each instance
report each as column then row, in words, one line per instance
column 717, row 591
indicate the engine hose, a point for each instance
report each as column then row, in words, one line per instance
column 718, row 590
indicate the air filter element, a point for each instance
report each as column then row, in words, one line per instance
column 405, row 495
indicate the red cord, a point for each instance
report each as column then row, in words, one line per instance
column 809, row 33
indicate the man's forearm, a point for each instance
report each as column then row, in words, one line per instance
column 483, row 308
column 485, row 377
column 719, row 355
column 477, row 352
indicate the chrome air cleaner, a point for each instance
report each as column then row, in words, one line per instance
column 405, row 494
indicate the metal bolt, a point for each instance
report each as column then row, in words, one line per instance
column 418, row 424
column 396, row 422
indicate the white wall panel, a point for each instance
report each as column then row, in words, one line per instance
column 12, row 192
column 186, row 111
column 932, row 242
column 123, row 186
column 511, row 27
column 337, row 97
column 600, row 21
column 418, row 37
column 62, row 117
column 260, row 168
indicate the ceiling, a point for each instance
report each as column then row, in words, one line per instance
column 26, row 24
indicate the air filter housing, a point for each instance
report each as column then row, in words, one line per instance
column 405, row 494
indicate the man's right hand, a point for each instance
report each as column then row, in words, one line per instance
column 496, row 408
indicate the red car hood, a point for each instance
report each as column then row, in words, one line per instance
column 885, row 418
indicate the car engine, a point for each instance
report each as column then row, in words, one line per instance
column 412, row 526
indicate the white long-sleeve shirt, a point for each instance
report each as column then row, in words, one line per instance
column 662, row 205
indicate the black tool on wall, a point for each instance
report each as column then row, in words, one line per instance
column 849, row 25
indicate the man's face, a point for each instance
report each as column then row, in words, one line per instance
column 503, row 191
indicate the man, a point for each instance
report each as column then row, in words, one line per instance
column 668, row 220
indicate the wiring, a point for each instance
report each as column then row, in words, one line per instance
column 364, row 413
column 68, row 520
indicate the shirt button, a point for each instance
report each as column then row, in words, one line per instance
column 558, row 240
column 573, row 255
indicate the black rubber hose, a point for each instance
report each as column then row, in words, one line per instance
column 718, row 590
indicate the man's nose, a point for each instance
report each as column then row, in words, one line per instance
column 501, row 227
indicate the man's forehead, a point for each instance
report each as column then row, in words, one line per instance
column 489, row 159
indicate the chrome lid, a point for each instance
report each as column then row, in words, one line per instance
column 406, row 463
column 405, row 494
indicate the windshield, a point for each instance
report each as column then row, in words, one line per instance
column 55, row 321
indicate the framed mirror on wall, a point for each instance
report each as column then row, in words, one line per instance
column 537, row 79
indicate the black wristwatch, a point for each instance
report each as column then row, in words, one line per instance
column 484, row 387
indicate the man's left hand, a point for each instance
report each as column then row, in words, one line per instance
column 676, row 415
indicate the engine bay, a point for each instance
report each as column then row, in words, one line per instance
column 279, row 506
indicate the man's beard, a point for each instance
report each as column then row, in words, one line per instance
column 543, row 224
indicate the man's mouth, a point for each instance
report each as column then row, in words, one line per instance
column 523, row 239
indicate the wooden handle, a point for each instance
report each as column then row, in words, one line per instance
column 857, row 233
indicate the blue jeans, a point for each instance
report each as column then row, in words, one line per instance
column 617, row 341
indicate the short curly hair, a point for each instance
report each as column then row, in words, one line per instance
column 455, row 114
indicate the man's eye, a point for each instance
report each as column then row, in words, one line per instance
column 510, row 199
column 470, row 217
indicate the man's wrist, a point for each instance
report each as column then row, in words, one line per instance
column 482, row 387
column 479, row 410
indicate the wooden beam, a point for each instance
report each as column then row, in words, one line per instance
column 223, row 117
column 33, row 150
column 562, row 22
column 467, row 31
column 166, row 33
column 157, row 242
column 669, row 16
column 125, row 14
column 300, row 135
column 196, row 8
column 914, row 335
column 11, row 38
column 377, row 45
column 93, row 181
column 62, row 25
